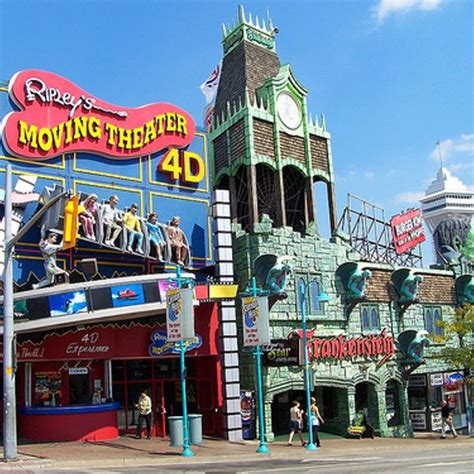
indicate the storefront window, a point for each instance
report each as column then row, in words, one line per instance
column 417, row 398
column 392, row 402
column 139, row 370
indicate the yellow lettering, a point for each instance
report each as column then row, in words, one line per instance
column 170, row 163
column 160, row 122
column 150, row 132
column 28, row 134
column 193, row 167
column 125, row 138
column 45, row 139
column 68, row 132
column 80, row 127
column 57, row 135
column 171, row 122
column 182, row 126
column 94, row 127
column 138, row 137
column 111, row 131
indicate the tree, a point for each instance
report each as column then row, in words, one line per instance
column 459, row 330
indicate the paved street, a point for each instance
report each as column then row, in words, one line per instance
column 426, row 454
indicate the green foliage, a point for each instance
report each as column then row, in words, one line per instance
column 459, row 330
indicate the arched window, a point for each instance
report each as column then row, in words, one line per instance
column 314, row 292
column 437, row 318
column 294, row 190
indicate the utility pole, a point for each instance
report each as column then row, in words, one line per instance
column 9, row 345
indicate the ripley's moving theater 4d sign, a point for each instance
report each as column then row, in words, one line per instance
column 138, row 178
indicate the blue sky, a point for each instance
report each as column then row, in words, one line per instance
column 392, row 76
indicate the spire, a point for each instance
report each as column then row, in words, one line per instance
column 438, row 144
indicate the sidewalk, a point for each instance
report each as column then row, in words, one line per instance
column 127, row 451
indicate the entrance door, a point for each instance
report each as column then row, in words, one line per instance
column 79, row 393
column 159, row 409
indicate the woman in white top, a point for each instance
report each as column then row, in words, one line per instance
column 316, row 419
column 296, row 423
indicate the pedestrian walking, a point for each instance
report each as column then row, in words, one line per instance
column 144, row 414
column 296, row 423
column 447, row 420
column 316, row 420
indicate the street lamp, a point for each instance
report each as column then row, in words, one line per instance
column 322, row 297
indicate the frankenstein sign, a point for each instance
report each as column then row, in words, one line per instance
column 340, row 347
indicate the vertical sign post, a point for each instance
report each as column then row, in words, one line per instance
column 179, row 323
column 9, row 346
column 256, row 332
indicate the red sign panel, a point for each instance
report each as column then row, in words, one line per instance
column 407, row 230
column 56, row 116
column 122, row 339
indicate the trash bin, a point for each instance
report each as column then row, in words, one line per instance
column 195, row 429
column 175, row 424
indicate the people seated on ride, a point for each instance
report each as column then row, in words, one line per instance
column 87, row 212
column 178, row 241
column 112, row 221
column 134, row 230
column 157, row 235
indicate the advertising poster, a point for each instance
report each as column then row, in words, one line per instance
column 255, row 321
column 48, row 388
column 247, row 412
column 174, row 313
column 164, row 286
column 127, row 295
column 68, row 303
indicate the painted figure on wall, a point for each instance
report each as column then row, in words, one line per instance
column 49, row 248
column 88, row 214
column 112, row 221
column 178, row 241
column 157, row 236
column 134, row 230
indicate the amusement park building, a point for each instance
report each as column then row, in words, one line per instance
column 269, row 153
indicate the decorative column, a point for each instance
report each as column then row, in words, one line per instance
column 229, row 347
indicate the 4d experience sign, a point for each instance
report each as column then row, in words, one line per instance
column 55, row 116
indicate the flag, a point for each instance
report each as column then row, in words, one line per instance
column 209, row 86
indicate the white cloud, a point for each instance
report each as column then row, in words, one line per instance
column 409, row 197
column 385, row 8
column 460, row 147
column 369, row 175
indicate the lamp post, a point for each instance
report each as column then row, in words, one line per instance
column 186, row 449
column 262, row 449
column 303, row 290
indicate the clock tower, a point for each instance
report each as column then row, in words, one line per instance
column 267, row 149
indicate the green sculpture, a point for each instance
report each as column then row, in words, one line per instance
column 406, row 282
column 465, row 289
column 411, row 344
column 272, row 272
column 353, row 277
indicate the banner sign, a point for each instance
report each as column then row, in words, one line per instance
column 281, row 352
column 407, row 230
column 179, row 314
column 56, row 117
column 121, row 339
column 255, row 321
column 341, row 347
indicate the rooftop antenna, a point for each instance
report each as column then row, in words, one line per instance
column 438, row 144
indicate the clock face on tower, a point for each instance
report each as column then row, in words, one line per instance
column 288, row 110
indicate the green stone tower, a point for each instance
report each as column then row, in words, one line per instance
column 268, row 151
